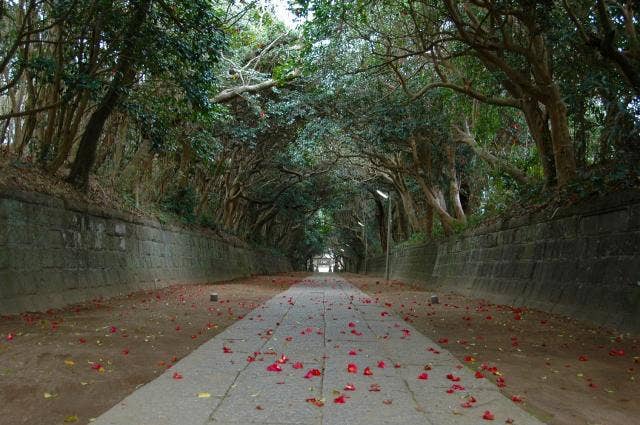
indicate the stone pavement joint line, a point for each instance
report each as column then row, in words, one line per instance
column 324, row 323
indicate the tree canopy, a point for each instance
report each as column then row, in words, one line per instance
column 219, row 113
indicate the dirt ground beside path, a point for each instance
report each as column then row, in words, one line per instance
column 71, row 365
column 566, row 372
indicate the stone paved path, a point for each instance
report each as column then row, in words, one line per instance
column 317, row 322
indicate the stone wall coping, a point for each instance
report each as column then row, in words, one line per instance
column 585, row 208
column 36, row 198
column 609, row 203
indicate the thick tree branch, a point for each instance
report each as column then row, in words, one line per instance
column 231, row 93
column 464, row 136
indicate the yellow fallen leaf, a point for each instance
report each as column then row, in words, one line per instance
column 49, row 395
column 69, row 362
column 204, row 395
column 71, row 419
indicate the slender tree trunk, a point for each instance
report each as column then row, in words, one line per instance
column 581, row 135
column 30, row 122
column 428, row 219
column 119, row 150
column 68, row 135
column 47, row 140
column 3, row 133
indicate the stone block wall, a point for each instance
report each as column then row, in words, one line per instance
column 583, row 261
column 412, row 263
column 54, row 253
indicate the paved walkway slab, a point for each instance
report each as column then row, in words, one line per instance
column 324, row 323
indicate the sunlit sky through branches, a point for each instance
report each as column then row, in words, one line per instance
column 281, row 10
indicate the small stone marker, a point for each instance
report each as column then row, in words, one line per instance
column 434, row 299
column 213, row 296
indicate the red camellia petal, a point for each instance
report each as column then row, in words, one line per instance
column 10, row 336
column 423, row 376
column 176, row 375
column 452, row 377
column 274, row 368
column 283, row 359
column 227, row 350
column 381, row 364
column 455, row 388
column 339, row 400
column 113, row 329
column 479, row 375
column 352, row 368
column 367, row 371
column 352, row 325
column 350, row 387
column 315, row 401
column 311, row 373
column 583, row 358
column 374, row 387
column 488, row 416
column 352, row 353
column 297, row 365
column 516, row 399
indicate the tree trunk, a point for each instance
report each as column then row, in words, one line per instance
column 30, row 122
column 382, row 227
column 54, row 94
column 408, row 204
column 68, row 135
column 538, row 123
column 454, row 185
column 581, row 135
column 563, row 153
column 428, row 220
column 124, row 76
column 431, row 194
